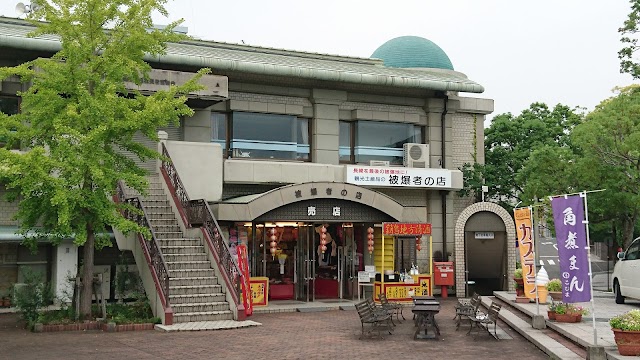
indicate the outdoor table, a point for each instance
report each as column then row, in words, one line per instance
column 425, row 318
column 424, row 300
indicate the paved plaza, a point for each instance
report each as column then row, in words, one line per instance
column 327, row 335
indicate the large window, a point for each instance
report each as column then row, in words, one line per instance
column 262, row 136
column 362, row 141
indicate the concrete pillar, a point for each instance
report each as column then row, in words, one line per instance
column 325, row 133
column 163, row 137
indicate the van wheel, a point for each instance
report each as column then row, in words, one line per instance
column 616, row 290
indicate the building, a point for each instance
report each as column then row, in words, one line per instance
column 283, row 142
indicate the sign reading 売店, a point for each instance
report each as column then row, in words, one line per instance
column 399, row 177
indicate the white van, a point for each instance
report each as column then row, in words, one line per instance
column 626, row 273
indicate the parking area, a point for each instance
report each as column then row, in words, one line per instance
column 314, row 335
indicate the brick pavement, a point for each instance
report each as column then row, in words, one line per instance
column 317, row 335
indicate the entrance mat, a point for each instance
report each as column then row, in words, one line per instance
column 208, row 325
column 313, row 309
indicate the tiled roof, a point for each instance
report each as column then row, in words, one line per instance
column 268, row 61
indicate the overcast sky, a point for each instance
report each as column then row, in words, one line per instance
column 554, row 51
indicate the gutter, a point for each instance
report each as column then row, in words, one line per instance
column 443, row 194
column 52, row 45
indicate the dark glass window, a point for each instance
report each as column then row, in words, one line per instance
column 219, row 130
column 346, row 142
column 376, row 140
column 9, row 105
column 269, row 136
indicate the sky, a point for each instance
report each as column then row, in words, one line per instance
column 520, row 51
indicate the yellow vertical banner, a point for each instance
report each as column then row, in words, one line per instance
column 525, row 244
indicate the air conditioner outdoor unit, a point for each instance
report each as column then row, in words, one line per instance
column 416, row 155
column 378, row 163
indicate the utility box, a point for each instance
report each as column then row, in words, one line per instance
column 443, row 273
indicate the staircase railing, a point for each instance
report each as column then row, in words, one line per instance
column 150, row 245
column 197, row 213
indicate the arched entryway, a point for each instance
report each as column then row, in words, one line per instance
column 485, row 251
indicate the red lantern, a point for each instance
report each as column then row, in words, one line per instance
column 418, row 243
column 273, row 244
column 323, row 239
column 370, row 239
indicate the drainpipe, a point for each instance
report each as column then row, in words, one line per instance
column 443, row 194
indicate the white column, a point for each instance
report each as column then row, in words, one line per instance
column 65, row 266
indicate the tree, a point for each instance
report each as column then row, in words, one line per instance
column 610, row 139
column 629, row 41
column 77, row 119
column 509, row 142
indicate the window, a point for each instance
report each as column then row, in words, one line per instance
column 269, row 136
column 362, row 141
column 405, row 253
column 219, row 130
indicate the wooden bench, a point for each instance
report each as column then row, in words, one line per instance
column 465, row 309
column 391, row 307
column 485, row 320
column 375, row 319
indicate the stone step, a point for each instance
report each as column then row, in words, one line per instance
column 155, row 197
column 157, row 209
column 156, row 201
column 168, row 234
column 193, row 281
column 162, row 216
column 199, row 307
column 202, row 316
column 179, row 242
column 190, row 273
column 185, row 257
column 196, row 299
column 192, row 265
column 171, row 227
column 170, row 250
column 195, row 290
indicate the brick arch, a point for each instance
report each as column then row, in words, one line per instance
column 459, row 256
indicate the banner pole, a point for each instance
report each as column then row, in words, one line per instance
column 580, row 193
column 535, row 282
column 588, row 248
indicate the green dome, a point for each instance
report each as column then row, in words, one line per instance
column 412, row 52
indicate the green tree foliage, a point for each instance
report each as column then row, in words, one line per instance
column 629, row 42
column 509, row 142
column 77, row 117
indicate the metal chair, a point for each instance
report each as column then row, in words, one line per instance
column 485, row 320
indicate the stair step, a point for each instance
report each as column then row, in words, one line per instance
column 204, row 265
column 190, row 273
column 171, row 227
column 193, row 281
column 157, row 201
column 203, row 316
column 185, row 257
column 162, row 216
column 200, row 307
column 168, row 234
column 154, row 197
column 179, row 242
column 182, row 249
column 196, row 298
column 195, row 289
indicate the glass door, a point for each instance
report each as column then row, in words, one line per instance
column 349, row 269
column 305, row 263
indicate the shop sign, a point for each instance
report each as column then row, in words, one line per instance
column 215, row 86
column 259, row 290
column 484, row 235
column 243, row 263
column 405, row 229
column 399, row 177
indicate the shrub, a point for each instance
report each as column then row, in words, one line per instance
column 554, row 285
column 32, row 296
column 629, row 321
column 517, row 273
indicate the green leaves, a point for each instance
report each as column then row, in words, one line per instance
column 78, row 119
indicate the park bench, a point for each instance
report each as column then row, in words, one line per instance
column 376, row 320
column 485, row 320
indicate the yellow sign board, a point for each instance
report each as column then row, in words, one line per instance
column 259, row 291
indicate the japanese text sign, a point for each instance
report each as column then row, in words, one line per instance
column 568, row 217
column 399, row 177
column 527, row 255
column 406, row 229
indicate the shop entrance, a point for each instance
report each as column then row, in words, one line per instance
column 298, row 269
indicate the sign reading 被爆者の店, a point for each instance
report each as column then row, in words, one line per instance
column 399, row 177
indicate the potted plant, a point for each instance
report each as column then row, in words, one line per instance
column 517, row 277
column 551, row 310
column 554, row 287
column 564, row 314
column 578, row 312
column 626, row 332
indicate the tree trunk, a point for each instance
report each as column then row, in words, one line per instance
column 87, row 274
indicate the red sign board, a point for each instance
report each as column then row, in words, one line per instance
column 405, row 229
column 243, row 263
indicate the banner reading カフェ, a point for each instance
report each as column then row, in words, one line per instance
column 527, row 256
column 568, row 217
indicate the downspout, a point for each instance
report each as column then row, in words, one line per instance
column 443, row 194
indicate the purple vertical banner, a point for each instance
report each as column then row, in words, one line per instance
column 568, row 217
